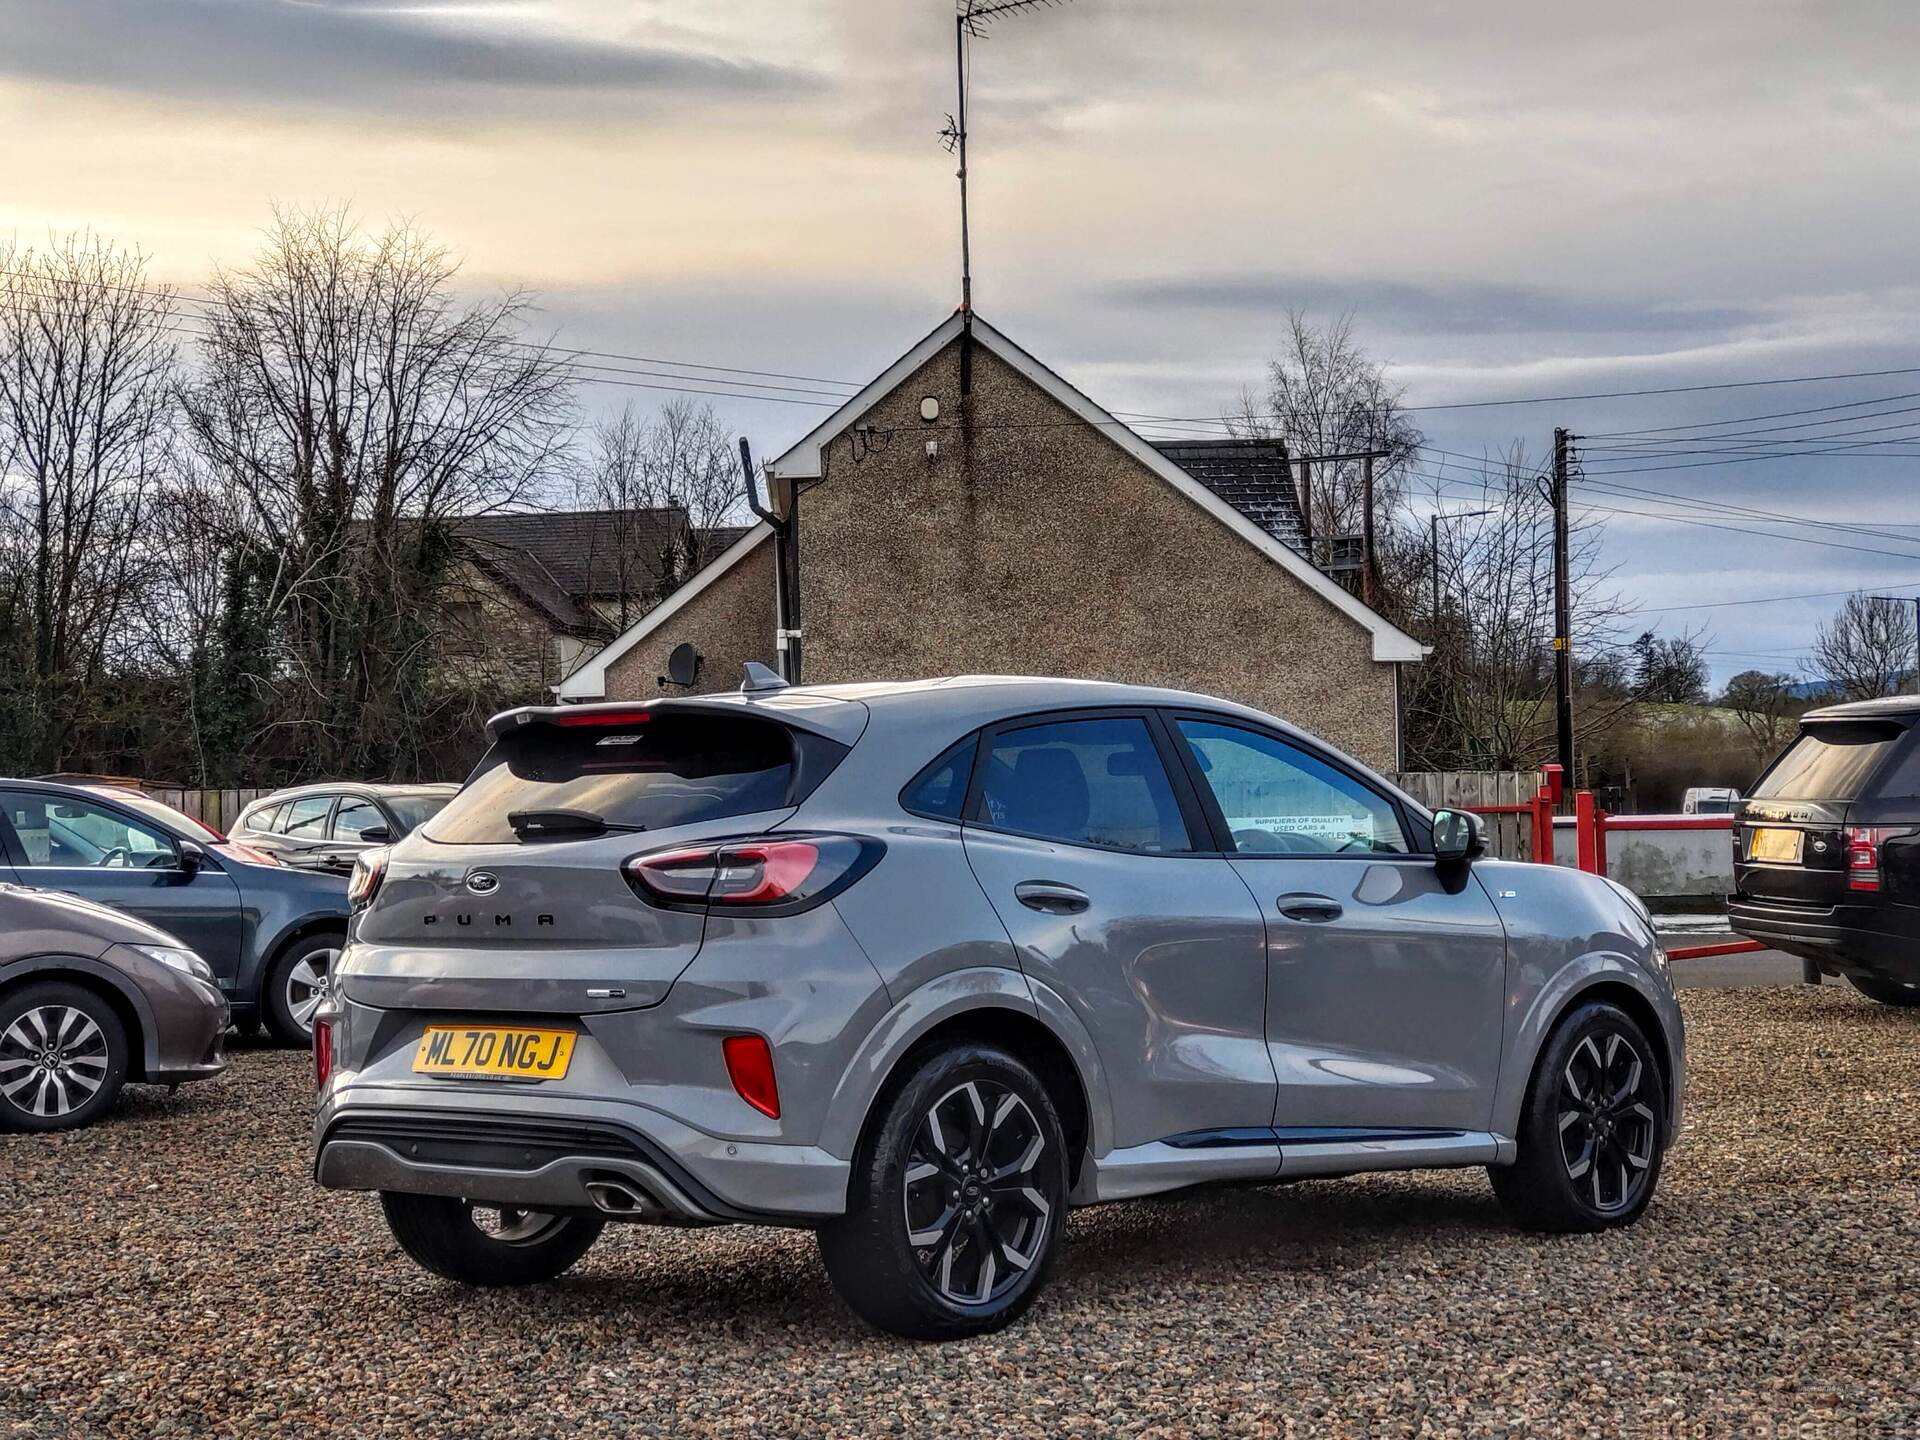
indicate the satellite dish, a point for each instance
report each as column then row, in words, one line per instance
column 683, row 665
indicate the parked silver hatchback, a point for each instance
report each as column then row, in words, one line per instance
column 921, row 966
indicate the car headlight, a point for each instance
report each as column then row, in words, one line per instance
column 176, row 957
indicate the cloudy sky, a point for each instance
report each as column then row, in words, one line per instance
column 1512, row 200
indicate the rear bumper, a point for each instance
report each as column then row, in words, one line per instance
column 1840, row 939
column 618, row 1160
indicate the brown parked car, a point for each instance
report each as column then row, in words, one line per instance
column 91, row 998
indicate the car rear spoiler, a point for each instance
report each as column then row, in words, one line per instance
column 830, row 716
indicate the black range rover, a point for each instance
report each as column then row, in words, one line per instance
column 1826, row 849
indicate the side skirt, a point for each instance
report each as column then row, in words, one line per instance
column 1258, row 1155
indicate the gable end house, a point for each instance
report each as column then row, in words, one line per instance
column 1039, row 535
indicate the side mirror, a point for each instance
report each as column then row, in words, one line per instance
column 192, row 857
column 377, row 834
column 1458, row 835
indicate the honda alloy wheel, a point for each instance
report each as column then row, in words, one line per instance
column 63, row 1057
column 958, row 1199
column 1592, row 1130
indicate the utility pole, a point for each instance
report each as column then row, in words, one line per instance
column 1562, row 610
column 1366, row 527
column 1306, row 504
column 1433, row 550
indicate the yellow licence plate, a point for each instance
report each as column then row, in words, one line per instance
column 494, row 1053
column 1769, row 844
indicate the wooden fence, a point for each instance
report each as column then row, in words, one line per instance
column 1508, row 836
column 218, row 808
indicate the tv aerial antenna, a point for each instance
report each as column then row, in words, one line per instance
column 971, row 20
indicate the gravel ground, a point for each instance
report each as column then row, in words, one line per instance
column 172, row 1272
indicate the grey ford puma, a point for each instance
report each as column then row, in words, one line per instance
column 920, row 966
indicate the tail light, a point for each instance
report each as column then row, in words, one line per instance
column 750, row 1068
column 1863, row 853
column 369, row 868
column 322, row 1053
column 769, row 874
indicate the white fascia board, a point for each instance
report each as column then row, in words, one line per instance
column 589, row 681
column 802, row 461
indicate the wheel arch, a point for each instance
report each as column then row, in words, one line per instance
column 1596, row 978
column 126, row 1002
column 987, row 1006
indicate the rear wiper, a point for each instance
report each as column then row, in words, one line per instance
column 562, row 824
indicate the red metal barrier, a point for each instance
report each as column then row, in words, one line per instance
column 1540, row 807
column 1721, row 947
column 1591, row 825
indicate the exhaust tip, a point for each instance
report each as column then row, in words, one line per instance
column 613, row 1196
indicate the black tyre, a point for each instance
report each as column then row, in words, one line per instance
column 1593, row 1130
column 295, row 985
column 63, row 1056
column 958, row 1198
column 1887, row 992
column 487, row 1245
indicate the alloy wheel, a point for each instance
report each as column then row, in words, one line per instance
column 307, row 985
column 972, row 1192
column 53, row 1060
column 1608, row 1131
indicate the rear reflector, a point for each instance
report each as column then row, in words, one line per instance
column 750, row 1067
column 322, row 1052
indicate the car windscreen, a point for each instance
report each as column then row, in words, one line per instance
column 413, row 811
column 655, row 773
column 1828, row 762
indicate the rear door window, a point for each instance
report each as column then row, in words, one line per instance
column 653, row 773
column 307, row 818
column 1829, row 762
column 354, row 815
column 1097, row 781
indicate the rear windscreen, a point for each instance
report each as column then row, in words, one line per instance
column 1828, row 762
column 664, row 771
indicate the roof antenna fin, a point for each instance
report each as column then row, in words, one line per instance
column 757, row 679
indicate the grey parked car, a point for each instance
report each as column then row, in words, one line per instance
column 920, row 966
column 90, row 999
column 329, row 825
column 269, row 932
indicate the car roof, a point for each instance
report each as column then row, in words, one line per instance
column 1891, row 707
column 954, row 703
column 137, row 801
column 364, row 787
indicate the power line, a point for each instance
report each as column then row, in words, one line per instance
column 212, row 303
column 1772, row 599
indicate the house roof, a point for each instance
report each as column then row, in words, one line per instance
column 570, row 546
column 803, row 462
column 1253, row 476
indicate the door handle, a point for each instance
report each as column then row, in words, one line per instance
column 1050, row 897
column 1314, row 909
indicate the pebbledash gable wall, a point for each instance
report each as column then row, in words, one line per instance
column 1030, row 544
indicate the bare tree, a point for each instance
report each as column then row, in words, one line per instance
column 1764, row 706
column 87, row 373
column 351, row 406
column 1483, row 699
column 1866, row 650
column 1325, row 396
column 666, row 490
